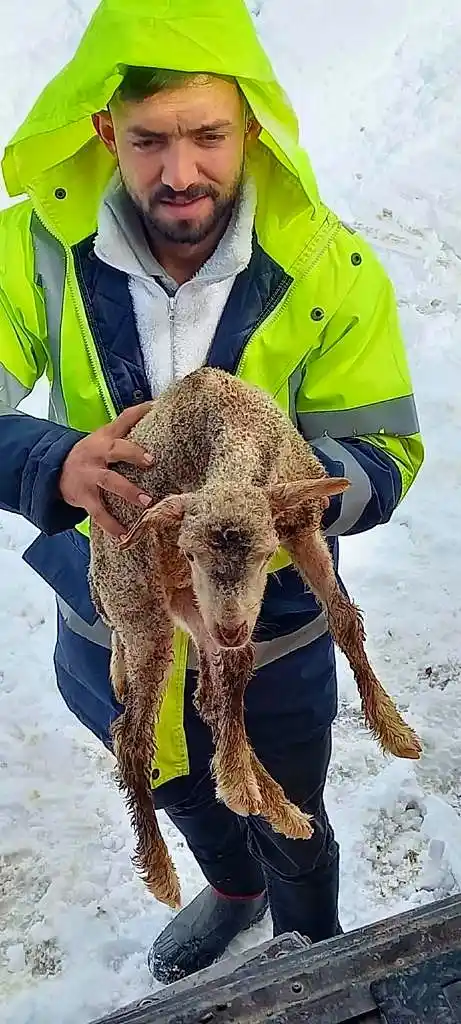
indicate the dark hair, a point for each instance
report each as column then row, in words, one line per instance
column 140, row 83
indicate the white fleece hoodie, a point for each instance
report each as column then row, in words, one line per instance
column 176, row 324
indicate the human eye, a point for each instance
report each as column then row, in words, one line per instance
column 211, row 139
column 151, row 142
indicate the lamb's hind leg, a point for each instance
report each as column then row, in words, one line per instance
column 312, row 558
column 148, row 656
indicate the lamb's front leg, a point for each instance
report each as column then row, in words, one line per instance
column 226, row 679
column 222, row 680
column 283, row 815
column 207, row 696
column 186, row 615
column 242, row 782
column 312, row 558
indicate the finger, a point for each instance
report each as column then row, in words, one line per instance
column 128, row 418
column 107, row 522
column 128, row 451
column 117, row 484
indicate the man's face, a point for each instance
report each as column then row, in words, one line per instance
column 180, row 154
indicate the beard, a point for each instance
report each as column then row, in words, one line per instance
column 187, row 230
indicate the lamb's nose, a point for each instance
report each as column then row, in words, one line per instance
column 232, row 636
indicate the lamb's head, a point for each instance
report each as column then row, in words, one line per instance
column 229, row 538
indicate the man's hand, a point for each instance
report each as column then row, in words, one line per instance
column 85, row 472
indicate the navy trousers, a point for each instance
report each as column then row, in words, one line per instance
column 242, row 857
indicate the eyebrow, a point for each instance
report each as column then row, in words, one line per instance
column 147, row 133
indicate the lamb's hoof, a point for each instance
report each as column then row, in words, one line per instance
column 412, row 751
column 293, row 824
column 406, row 745
column 302, row 828
column 241, row 799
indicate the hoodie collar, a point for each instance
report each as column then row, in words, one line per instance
column 121, row 242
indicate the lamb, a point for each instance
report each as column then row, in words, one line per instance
column 232, row 479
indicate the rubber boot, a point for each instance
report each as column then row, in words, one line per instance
column 200, row 934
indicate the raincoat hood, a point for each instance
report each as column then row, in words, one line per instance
column 188, row 35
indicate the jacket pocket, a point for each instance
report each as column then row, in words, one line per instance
column 63, row 562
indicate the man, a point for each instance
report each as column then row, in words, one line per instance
column 171, row 220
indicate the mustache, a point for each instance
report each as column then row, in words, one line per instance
column 168, row 194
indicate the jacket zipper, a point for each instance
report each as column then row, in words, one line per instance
column 171, row 315
column 274, row 310
column 270, row 312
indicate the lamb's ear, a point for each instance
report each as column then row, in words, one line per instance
column 286, row 497
column 167, row 512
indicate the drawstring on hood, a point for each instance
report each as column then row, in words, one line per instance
column 121, row 241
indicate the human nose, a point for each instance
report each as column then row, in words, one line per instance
column 179, row 168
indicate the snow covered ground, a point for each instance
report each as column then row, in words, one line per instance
column 378, row 88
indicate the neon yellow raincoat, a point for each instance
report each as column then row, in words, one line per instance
column 326, row 345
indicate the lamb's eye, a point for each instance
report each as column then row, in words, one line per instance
column 189, row 556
